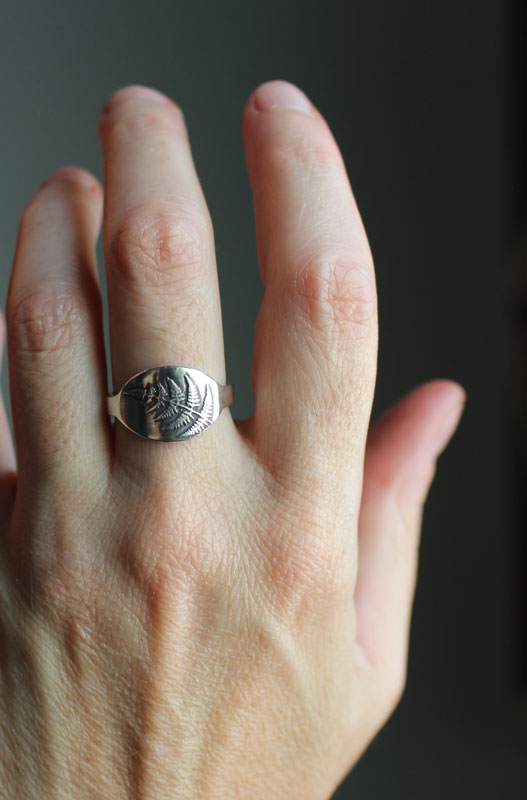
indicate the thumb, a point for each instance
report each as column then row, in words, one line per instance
column 401, row 454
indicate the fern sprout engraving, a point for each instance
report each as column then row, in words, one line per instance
column 178, row 407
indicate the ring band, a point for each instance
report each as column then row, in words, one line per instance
column 169, row 403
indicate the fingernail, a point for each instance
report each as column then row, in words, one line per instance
column 280, row 94
column 70, row 175
column 128, row 92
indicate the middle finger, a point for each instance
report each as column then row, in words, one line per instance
column 163, row 296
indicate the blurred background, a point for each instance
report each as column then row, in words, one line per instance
column 427, row 102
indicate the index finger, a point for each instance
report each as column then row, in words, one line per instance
column 316, row 335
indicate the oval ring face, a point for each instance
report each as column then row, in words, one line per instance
column 169, row 403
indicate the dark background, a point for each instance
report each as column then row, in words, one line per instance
column 427, row 101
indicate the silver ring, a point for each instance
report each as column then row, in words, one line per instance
column 169, row 403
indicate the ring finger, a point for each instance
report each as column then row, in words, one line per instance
column 163, row 295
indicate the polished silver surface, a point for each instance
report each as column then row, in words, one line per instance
column 169, row 403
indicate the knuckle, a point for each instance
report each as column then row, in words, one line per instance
column 310, row 574
column 160, row 248
column 180, row 548
column 59, row 575
column 73, row 596
column 180, row 563
column 65, row 586
column 335, row 295
column 45, row 322
column 71, row 587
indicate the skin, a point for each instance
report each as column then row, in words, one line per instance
column 225, row 617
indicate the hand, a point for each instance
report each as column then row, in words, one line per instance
column 225, row 617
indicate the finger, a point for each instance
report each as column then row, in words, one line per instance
column 400, row 463
column 57, row 372
column 163, row 295
column 316, row 334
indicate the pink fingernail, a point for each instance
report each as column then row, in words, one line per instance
column 280, row 94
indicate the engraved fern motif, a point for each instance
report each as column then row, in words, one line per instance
column 163, row 398
column 205, row 417
column 174, row 407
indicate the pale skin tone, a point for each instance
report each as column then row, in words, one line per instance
column 225, row 617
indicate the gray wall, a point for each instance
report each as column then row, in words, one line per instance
column 420, row 96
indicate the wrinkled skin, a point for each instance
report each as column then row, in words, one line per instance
column 225, row 617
